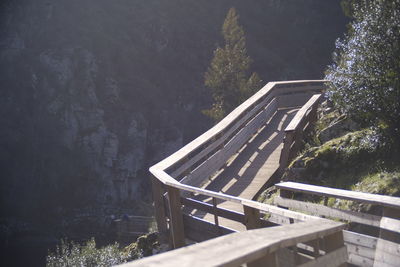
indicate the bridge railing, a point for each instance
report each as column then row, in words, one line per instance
column 183, row 173
column 299, row 125
column 316, row 243
column 378, row 244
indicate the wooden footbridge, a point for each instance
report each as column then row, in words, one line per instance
column 204, row 195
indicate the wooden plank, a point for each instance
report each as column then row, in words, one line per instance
column 270, row 260
column 251, row 218
column 331, row 259
column 360, row 239
column 200, row 175
column 320, row 210
column 383, row 258
column 390, row 224
column 239, row 248
column 228, row 214
column 375, row 199
column 221, row 126
column 268, row 209
column 359, row 260
column 176, row 220
column 301, row 114
column 270, row 109
column 387, row 252
column 333, row 242
column 361, row 251
column 286, row 257
column 200, row 230
column 285, row 153
column 388, row 247
column 158, row 198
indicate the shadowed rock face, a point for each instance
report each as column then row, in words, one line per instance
column 95, row 91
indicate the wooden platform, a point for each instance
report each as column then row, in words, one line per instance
column 250, row 169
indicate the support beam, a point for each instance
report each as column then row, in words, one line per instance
column 270, row 260
column 393, row 235
column 333, row 242
column 159, row 207
column 176, row 219
column 251, row 218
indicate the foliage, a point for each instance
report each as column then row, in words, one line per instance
column 73, row 254
column 365, row 75
column 344, row 161
column 228, row 74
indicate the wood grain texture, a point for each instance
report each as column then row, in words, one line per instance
column 381, row 200
column 238, row 248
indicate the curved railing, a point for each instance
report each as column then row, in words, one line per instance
column 303, row 240
column 186, row 170
column 178, row 179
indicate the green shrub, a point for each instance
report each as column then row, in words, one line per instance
column 73, row 254
column 365, row 75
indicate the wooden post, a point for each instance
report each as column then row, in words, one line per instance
column 313, row 113
column 287, row 143
column 386, row 234
column 334, row 241
column 251, row 218
column 286, row 194
column 159, row 206
column 253, row 221
column 214, row 201
column 270, row 260
column 176, row 219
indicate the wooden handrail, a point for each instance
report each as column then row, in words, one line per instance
column 381, row 200
column 366, row 249
column 200, row 158
column 271, row 90
column 263, row 247
column 294, row 131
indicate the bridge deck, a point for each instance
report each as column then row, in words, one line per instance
column 250, row 169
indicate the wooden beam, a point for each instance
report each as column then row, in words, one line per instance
column 320, row 210
column 386, row 201
column 335, row 258
column 158, row 198
column 251, row 218
column 270, row 260
column 225, row 213
column 333, row 242
column 285, row 153
column 176, row 220
column 390, row 225
column 239, row 248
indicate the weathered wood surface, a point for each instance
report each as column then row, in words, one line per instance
column 374, row 199
column 332, row 259
column 239, row 248
column 320, row 210
column 363, row 250
column 272, row 89
column 303, row 112
column 176, row 218
column 294, row 131
column 251, row 168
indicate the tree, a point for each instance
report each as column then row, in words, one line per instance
column 365, row 75
column 227, row 76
